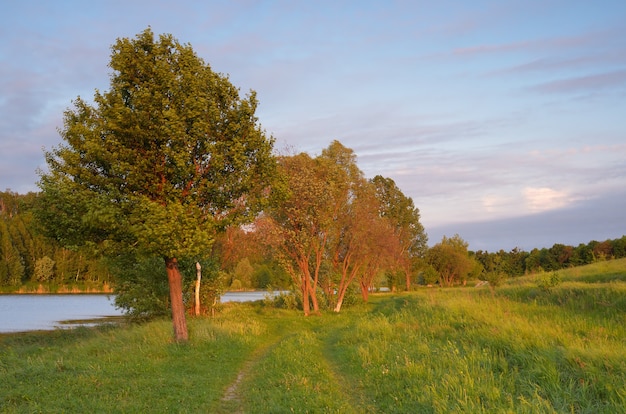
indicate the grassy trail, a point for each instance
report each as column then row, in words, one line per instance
column 296, row 373
column 231, row 401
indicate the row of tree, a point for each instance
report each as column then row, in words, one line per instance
column 332, row 228
column 27, row 257
column 249, row 258
column 518, row 262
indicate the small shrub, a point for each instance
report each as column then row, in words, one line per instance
column 547, row 281
column 494, row 279
column 429, row 275
column 44, row 269
column 284, row 300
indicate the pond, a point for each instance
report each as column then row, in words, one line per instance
column 20, row 313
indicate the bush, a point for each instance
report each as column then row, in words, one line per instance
column 429, row 275
column 494, row 279
column 44, row 269
column 283, row 300
column 546, row 281
column 142, row 289
column 212, row 286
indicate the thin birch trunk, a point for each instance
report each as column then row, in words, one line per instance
column 199, row 277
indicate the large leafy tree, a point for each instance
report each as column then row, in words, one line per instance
column 158, row 163
column 328, row 230
column 450, row 258
column 310, row 214
column 363, row 243
column 298, row 227
column 358, row 233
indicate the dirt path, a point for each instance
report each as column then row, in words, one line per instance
column 231, row 400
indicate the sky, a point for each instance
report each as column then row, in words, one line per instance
column 504, row 121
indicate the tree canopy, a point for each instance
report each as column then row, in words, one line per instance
column 405, row 219
column 166, row 157
column 333, row 228
column 451, row 259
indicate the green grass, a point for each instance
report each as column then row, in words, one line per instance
column 130, row 369
column 460, row 350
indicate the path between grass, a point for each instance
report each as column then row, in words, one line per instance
column 354, row 394
column 301, row 358
column 231, row 401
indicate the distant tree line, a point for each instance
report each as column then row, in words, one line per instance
column 29, row 258
column 518, row 262
column 244, row 259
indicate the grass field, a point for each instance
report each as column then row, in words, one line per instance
column 458, row 350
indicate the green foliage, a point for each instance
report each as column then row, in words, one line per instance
column 270, row 274
column 451, row 260
column 404, row 215
column 180, row 150
column 559, row 256
column 429, row 275
column 262, row 277
column 495, row 279
column 44, row 269
column 26, row 255
column 11, row 262
column 141, row 286
column 162, row 161
column 394, row 279
column 284, row 300
column 212, row 287
column 243, row 274
column 164, row 157
column 548, row 280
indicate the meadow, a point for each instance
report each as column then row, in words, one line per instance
column 531, row 347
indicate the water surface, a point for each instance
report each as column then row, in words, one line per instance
column 44, row 312
column 20, row 313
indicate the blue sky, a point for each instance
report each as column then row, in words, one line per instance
column 505, row 121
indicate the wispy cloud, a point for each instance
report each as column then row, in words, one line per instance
column 585, row 83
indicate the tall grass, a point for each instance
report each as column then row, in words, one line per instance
column 462, row 350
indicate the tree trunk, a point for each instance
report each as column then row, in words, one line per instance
column 364, row 291
column 305, row 298
column 406, row 268
column 338, row 305
column 199, row 277
column 305, row 278
column 176, row 298
column 314, row 302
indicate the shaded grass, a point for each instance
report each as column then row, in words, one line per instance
column 431, row 351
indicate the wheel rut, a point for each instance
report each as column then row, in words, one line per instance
column 231, row 401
